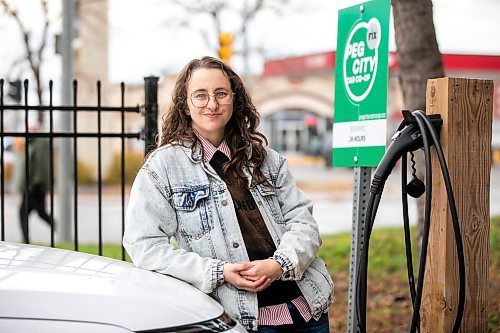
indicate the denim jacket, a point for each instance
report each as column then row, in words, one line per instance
column 181, row 221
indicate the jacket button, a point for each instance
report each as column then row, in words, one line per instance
column 236, row 245
column 224, row 202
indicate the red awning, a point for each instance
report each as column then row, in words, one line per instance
column 325, row 62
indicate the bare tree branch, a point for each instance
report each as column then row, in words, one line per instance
column 215, row 9
column 41, row 48
column 33, row 57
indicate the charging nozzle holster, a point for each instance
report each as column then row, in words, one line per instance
column 406, row 139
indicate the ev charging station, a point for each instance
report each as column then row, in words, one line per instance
column 456, row 280
column 359, row 123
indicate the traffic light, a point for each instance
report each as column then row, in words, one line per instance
column 225, row 47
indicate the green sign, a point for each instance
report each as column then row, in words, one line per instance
column 359, row 122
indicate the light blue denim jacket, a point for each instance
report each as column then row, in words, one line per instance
column 181, row 221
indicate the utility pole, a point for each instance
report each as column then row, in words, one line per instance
column 246, row 66
column 64, row 183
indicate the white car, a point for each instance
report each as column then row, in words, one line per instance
column 43, row 289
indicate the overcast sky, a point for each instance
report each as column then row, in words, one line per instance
column 141, row 43
column 462, row 26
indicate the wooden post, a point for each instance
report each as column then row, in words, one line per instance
column 466, row 106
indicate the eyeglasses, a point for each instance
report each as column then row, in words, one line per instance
column 200, row 99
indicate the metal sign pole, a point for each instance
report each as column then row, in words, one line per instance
column 362, row 179
column 360, row 118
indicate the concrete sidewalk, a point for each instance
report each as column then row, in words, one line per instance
column 331, row 190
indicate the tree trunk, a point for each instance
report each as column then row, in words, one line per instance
column 419, row 59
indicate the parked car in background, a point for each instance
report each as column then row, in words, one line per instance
column 44, row 289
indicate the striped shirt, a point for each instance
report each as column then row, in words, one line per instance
column 209, row 149
column 271, row 315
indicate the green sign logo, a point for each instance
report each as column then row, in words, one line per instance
column 361, row 59
column 359, row 120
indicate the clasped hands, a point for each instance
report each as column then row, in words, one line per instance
column 254, row 275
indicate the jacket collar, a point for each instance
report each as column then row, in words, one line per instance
column 196, row 156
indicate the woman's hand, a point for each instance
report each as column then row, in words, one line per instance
column 268, row 268
column 232, row 274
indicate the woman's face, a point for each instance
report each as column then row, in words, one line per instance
column 210, row 103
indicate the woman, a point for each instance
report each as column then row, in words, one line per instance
column 213, row 207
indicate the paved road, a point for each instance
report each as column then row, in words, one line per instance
column 330, row 190
column 333, row 208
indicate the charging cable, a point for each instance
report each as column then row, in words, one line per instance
column 417, row 131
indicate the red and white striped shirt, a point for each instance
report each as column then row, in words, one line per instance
column 209, row 149
column 271, row 315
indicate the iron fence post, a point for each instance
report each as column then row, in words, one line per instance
column 150, row 113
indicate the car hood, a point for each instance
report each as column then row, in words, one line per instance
column 46, row 283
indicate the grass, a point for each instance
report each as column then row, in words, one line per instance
column 389, row 305
column 386, row 256
column 108, row 250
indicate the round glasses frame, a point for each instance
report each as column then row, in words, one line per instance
column 197, row 104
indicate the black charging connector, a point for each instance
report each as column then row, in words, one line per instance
column 408, row 138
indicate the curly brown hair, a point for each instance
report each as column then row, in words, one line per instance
column 240, row 132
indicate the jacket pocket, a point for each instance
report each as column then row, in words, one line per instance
column 191, row 205
column 270, row 201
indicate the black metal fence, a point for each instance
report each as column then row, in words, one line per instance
column 149, row 110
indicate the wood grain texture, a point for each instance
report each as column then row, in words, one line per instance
column 466, row 107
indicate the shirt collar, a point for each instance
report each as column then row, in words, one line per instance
column 209, row 149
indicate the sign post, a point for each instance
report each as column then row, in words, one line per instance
column 359, row 122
